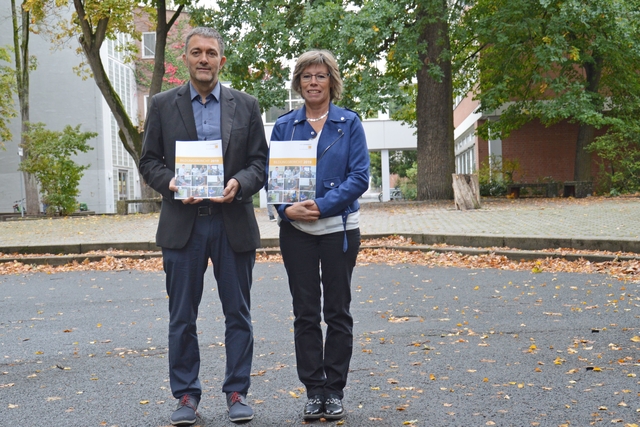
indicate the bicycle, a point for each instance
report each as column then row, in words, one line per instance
column 394, row 194
column 18, row 207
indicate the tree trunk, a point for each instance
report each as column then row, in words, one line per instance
column 582, row 171
column 21, row 53
column 147, row 193
column 466, row 191
column 434, row 107
column 91, row 41
column 586, row 133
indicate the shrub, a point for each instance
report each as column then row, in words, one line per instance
column 49, row 160
column 496, row 174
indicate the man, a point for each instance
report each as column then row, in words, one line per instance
column 194, row 230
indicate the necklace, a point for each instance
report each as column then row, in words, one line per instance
column 319, row 118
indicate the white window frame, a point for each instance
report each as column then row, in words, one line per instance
column 148, row 45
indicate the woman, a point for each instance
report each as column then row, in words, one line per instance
column 323, row 233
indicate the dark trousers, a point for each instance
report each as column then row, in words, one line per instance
column 185, row 270
column 319, row 271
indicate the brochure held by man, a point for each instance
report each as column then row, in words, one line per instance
column 199, row 169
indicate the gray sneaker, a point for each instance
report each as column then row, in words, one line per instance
column 186, row 412
column 239, row 409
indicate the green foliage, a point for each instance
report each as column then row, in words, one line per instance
column 408, row 183
column 7, row 88
column 570, row 60
column 619, row 151
column 50, row 162
column 400, row 162
column 375, row 168
column 264, row 37
column 496, row 174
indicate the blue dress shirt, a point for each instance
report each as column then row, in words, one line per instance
column 207, row 115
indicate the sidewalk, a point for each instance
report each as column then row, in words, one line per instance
column 608, row 224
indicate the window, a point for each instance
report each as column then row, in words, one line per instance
column 294, row 101
column 146, row 106
column 148, row 45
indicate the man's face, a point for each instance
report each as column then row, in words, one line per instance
column 203, row 60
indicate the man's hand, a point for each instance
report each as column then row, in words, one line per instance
column 229, row 193
column 306, row 211
column 188, row 201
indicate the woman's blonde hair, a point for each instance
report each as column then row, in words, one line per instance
column 318, row 57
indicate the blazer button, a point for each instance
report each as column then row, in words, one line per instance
column 331, row 184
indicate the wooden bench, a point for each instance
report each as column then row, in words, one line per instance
column 544, row 189
column 123, row 205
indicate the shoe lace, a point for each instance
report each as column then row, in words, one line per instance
column 184, row 401
column 235, row 397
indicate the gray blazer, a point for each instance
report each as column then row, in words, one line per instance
column 244, row 146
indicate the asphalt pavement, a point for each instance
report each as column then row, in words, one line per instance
column 432, row 347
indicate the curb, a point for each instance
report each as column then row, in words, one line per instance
column 521, row 243
column 523, row 248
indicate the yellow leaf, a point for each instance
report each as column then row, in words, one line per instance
column 410, row 422
column 144, row 402
column 635, row 339
column 99, row 325
column 293, row 394
column 432, row 377
column 485, row 379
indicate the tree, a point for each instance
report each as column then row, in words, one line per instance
column 7, row 87
column 23, row 65
column 92, row 23
column 383, row 47
column 51, row 164
column 574, row 60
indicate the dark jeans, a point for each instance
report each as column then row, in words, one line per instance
column 322, row 368
column 185, row 270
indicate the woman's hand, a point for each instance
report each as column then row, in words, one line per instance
column 306, row 211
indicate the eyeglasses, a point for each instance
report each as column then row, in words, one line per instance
column 320, row 77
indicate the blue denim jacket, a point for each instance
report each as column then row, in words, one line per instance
column 342, row 169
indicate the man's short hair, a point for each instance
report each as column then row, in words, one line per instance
column 207, row 32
